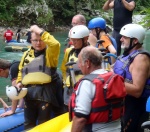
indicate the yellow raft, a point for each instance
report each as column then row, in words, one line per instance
column 57, row 124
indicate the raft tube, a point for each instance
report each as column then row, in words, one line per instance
column 14, row 46
column 12, row 123
column 57, row 124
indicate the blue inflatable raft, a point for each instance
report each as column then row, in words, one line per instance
column 12, row 123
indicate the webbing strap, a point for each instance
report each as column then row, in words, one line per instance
column 107, row 107
column 91, row 77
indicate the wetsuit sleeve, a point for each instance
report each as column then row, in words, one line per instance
column 53, row 49
column 19, row 77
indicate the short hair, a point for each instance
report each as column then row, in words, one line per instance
column 92, row 54
column 33, row 33
column 81, row 18
column 4, row 64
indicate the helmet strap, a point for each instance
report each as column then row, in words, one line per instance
column 97, row 33
column 126, row 52
column 83, row 43
column 18, row 90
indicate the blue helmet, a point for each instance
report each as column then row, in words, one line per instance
column 97, row 22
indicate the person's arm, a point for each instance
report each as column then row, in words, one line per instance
column 19, row 76
column 53, row 48
column 5, row 106
column 129, row 5
column 140, row 70
column 92, row 40
column 109, row 4
column 13, row 106
column 78, row 124
column 109, row 46
column 113, row 51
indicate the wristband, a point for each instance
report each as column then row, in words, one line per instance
column 42, row 33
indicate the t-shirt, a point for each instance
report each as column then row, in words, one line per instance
column 8, row 35
column 122, row 16
column 106, row 42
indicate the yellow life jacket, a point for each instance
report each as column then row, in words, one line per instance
column 77, row 71
column 35, row 70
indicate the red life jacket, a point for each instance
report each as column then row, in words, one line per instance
column 102, row 110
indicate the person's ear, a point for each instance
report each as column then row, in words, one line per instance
column 87, row 63
column 85, row 39
column 135, row 41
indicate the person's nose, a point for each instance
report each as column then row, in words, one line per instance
column 121, row 39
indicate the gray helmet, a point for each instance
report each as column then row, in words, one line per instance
column 133, row 31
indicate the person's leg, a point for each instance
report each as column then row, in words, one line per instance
column 5, row 106
column 30, row 114
column 44, row 112
column 117, row 36
column 134, row 112
column 59, row 95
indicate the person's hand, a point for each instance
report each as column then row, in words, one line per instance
column 10, row 112
column 6, row 107
column 19, row 85
column 36, row 29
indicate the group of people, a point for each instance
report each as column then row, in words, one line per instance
column 49, row 91
column 8, row 36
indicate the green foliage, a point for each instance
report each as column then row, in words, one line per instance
column 6, row 11
column 47, row 18
column 60, row 11
column 140, row 4
column 98, row 4
column 146, row 20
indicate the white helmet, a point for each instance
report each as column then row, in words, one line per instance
column 14, row 93
column 133, row 31
column 79, row 31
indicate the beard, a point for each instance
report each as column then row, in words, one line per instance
column 125, row 49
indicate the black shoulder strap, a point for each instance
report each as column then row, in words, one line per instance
column 139, row 52
column 70, row 53
column 144, row 52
